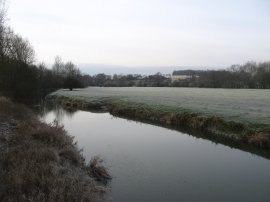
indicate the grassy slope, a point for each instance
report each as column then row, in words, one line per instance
column 240, row 115
column 245, row 106
column 40, row 162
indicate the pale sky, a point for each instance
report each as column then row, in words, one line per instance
column 214, row 33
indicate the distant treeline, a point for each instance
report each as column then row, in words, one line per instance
column 187, row 72
column 129, row 80
column 249, row 75
column 20, row 78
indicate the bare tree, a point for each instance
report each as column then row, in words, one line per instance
column 67, row 69
column 58, row 66
column 16, row 48
column 21, row 50
column 2, row 27
column 70, row 70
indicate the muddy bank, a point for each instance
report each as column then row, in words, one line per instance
column 41, row 162
column 214, row 126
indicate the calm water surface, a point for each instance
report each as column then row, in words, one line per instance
column 151, row 163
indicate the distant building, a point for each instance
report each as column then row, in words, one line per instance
column 180, row 77
column 184, row 74
column 177, row 77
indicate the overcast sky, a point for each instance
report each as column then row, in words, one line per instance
column 213, row 33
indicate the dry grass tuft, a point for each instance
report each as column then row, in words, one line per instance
column 41, row 162
column 98, row 170
column 260, row 140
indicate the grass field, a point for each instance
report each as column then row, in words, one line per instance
column 248, row 106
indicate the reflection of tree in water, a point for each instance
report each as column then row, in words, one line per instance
column 58, row 111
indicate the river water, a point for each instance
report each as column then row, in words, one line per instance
column 155, row 164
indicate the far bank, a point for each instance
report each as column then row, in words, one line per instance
column 240, row 115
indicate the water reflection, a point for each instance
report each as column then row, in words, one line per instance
column 57, row 111
column 151, row 163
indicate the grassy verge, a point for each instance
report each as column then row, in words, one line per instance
column 246, row 106
column 167, row 115
column 40, row 162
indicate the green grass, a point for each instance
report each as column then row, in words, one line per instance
column 247, row 106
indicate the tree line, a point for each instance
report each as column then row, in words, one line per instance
column 20, row 77
column 119, row 80
column 248, row 75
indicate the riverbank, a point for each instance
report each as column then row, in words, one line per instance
column 41, row 162
column 234, row 131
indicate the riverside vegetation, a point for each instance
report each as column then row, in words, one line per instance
column 237, row 115
column 41, row 162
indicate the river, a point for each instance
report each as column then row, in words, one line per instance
column 155, row 164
